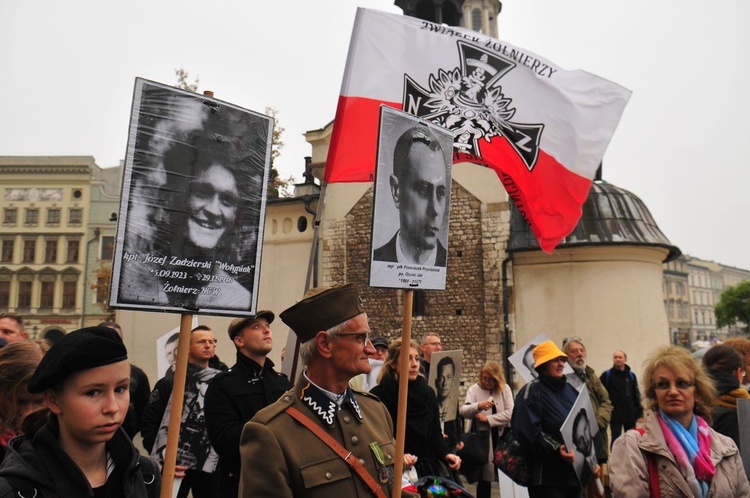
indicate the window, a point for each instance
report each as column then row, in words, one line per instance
column 75, row 217
column 10, row 216
column 47, row 297
column 108, row 248
column 50, row 251
column 53, row 216
column 32, row 216
column 24, row 295
column 7, row 251
column 476, row 20
column 29, row 251
column 69, row 295
column 102, row 287
column 73, row 246
column 4, row 295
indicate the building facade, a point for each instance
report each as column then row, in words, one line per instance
column 48, row 235
column 707, row 280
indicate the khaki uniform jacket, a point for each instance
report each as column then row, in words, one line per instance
column 282, row 458
column 629, row 477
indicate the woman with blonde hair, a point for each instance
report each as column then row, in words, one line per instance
column 677, row 454
column 17, row 363
column 489, row 406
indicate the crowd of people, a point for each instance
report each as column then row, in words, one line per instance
column 69, row 411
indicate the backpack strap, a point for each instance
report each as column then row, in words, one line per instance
column 653, row 471
column 149, row 473
column 21, row 488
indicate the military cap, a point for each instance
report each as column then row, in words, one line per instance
column 321, row 309
column 82, row 349
column 236, row 325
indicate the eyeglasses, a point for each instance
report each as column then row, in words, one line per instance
column 434, row 344
column 681, row 385
column 361, row 338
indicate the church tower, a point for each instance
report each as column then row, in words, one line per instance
column 479, row 15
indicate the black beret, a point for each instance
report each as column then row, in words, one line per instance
column 238, row 324
column 82, row 349
column 321, row 309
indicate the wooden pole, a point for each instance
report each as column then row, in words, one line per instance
column 175, row 411
column 403, row 388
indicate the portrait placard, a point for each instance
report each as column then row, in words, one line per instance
column 444, row 378
column 411, row 208
column 192, row 209
column 578, row 432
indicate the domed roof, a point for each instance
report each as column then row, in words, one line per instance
column 611, row 216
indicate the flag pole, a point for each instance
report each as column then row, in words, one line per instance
column 175, row 411
column 403, row 388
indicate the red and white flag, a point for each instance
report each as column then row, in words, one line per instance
column 543, row 129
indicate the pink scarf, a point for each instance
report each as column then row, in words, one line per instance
column 693, row 459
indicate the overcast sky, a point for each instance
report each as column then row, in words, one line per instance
column 68, row 70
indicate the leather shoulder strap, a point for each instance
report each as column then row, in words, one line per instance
column 342, row 452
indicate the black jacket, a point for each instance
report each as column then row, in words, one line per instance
column 424, row 437
column 140, row 388
column 232, row 399
column 622, row 386
column 39, row 467
column 536, row 421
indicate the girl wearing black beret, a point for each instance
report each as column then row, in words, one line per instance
column 74, row 447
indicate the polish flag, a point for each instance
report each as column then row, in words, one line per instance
column 541, row 128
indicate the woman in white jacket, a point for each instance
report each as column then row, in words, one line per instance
column 489, row 405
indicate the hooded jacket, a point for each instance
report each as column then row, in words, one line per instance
column 39, row 467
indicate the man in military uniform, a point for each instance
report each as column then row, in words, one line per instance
column 281, row 457
column 234, row 397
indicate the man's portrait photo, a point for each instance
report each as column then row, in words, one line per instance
column 412, row 198
column 578, row 432
column 193, row 204
column 445, row 375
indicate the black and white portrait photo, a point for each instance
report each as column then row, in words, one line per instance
column 445, row 375
column 412, row 203
column 193, row 204
column 578, row 432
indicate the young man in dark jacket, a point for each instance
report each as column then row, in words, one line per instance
column 622, row 386
column 235, row 396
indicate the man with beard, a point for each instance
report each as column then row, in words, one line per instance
column 576, row 351
column 234, row 397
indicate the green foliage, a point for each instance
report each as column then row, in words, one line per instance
column 277, row 187
column 182, row 81
column 734, row 307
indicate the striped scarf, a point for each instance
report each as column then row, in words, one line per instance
column 691, row 448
